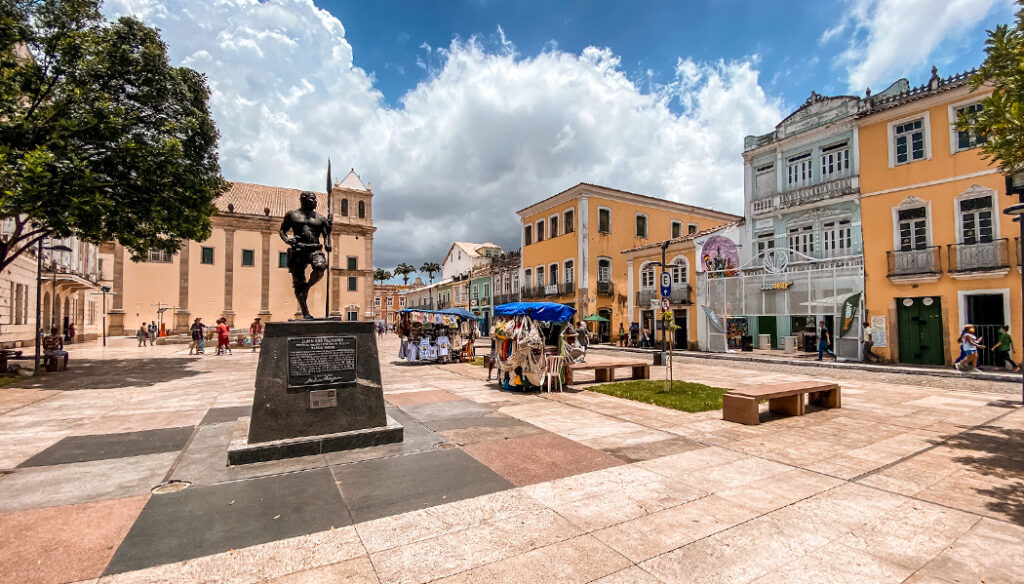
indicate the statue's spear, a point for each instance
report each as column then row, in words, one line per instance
column 330, row 221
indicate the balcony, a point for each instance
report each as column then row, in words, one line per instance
column 762, row 206
column 915, row 265
column 819, row 192
column 979, row 260
column 567, row 289
column 605, row 289
column 506, row 298
column 533, row 292
column 680, row 295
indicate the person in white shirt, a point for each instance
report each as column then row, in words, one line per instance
column 865, row 346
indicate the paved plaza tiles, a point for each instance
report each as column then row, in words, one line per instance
column 904, row 483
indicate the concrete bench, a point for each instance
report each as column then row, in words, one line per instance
column 605, row 371
column 740, row 405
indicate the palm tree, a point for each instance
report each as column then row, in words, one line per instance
column 430, row 268
column 403, row 269
column 381, row 275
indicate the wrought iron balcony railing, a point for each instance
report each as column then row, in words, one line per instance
column 982, row 256
column 914, row 262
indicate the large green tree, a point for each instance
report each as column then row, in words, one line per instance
column 403, row 269
column 100, row 137
column 1000, row 120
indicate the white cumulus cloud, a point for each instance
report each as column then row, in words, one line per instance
column 487, row 131
column 888, row 39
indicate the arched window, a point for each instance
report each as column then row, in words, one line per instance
column 344, row 207
column 647, row 276
column 362, row 210
column 680, row 270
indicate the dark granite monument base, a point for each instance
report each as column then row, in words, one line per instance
column 240, row 451
column 318, row 389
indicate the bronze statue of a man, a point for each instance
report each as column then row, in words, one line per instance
column 307, row 227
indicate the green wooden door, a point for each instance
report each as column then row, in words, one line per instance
column 920, row 330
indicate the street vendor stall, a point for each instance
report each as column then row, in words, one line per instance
column 436, row 336
column 531, row 340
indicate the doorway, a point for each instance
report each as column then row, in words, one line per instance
column 985, row 312
column 919, row 324
column 681, row 335
column 768, row 325
column 604, row 328
column 647, row 322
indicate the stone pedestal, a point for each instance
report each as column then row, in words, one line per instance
column 318, row 389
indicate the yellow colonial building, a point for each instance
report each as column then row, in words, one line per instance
column 938, row 251
column 572, row 245
column 241, row 272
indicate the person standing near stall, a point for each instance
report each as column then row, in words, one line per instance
column 256, row 333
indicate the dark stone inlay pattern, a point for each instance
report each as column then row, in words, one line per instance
column 388, row 486
column 226, row 414
column 107, row 446
column 204, row 520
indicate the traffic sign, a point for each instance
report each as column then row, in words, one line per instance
column 666, row 284
column 664, row 304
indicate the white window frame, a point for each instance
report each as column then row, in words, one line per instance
column 795, row 165
column 552, row 230
column 696, row 228
column 539, row 275
column 762, row 170
column 954, row 137
column 569, row 267
column 528, row 234
column 835, row 232
column 841, row 146
column 648, row 283
column 647, row 226
column 401, row 301
column 611, row 265
column 911, row 203
column 672, row 229
column 961, row 304
column 926, row 126
column 538, row 231
column 680, row 269
column 762, row 243
column 528, row 278
column 599, row 209
column 803, row 232
column 976, row 193
column 376, row 301
column 553, row 270
column 565, row 222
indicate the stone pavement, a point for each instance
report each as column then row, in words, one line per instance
column 905, row 483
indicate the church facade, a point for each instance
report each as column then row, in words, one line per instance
column 241, row 272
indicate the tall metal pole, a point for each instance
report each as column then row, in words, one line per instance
column 39, row 300
column 104, row 316
column 330, row 228
column 53, row 295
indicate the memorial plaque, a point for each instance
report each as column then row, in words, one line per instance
column 317, row 361
column 323, row 398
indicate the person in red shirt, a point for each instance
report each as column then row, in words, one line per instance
column 256, row 333
column 223, row 336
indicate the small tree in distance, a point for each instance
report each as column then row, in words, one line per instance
column 403, row 269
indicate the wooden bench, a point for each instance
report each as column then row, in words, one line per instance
column 605, row 371
column 740, row 405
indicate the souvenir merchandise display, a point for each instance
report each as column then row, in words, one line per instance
column 436, row 336
column 525, row 334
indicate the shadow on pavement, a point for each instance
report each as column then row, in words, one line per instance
column 85, row 374
column 999, row 455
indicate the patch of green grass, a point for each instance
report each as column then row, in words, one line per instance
column 683, row 395
column 478, row 361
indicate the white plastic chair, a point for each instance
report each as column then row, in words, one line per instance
column 553, row 370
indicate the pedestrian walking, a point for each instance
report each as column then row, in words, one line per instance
column 634, row 334
column 223, row 336
column 969, row 344
column 142, row 334
column 866, row 345
column 582, row 334
column 256, row 333
column 380, row 330
column 152, row 332
column 824, row 340
column 1004, row 349
column 622, row 335
column 197, row 329
column 645, row 340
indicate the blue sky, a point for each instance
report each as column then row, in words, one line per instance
column 460, row 112
column 387, row 37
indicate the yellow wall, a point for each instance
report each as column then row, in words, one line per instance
column 622, row 236
column 639, row 258
column 913, row 179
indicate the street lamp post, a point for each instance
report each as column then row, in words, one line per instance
column 104, row 290
column 1015, row 186
column 39, row 291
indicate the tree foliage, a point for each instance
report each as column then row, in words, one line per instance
column 100, row 137
column 430, row 269
column 1001, row 119
column 381, row 275
column 403, row 269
